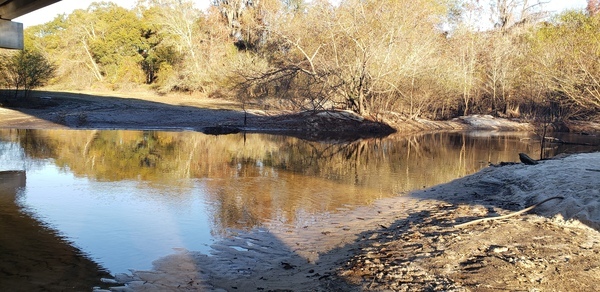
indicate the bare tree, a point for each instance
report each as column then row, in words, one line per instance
column 466, row 54
column 566, row 63
column 508, row 13
column 362, row 55
column 232, row 11
column 593, row 7
column 248, row 20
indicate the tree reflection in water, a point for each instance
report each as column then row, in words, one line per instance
column 255, row 178
column 243, row 181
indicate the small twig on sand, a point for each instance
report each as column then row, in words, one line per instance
column 507, row 215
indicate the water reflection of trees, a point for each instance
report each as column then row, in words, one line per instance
column 262, row 177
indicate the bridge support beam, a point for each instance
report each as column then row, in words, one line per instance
column 11, row 35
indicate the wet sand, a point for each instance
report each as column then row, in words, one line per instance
column 413, row 242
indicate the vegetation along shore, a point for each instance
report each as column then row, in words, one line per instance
column 345, row 71
column 386, row 61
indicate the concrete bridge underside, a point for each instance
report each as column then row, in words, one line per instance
column 11, row 33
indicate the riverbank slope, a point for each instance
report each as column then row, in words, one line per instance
column 146, row 111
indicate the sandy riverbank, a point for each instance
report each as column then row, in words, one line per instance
column 51, row 110
column 46, row 110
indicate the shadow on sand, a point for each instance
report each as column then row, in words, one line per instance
column 217, row 118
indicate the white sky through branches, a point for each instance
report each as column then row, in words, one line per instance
column 48, row 13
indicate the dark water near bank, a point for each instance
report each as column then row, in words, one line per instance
column 110, row 201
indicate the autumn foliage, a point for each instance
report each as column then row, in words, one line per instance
column 379, row 58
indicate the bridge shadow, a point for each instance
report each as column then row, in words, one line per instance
column 260, row 260
column 256, row 260
column 84, row 111
column 33, row 256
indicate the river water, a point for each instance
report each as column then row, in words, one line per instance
column 110, row 201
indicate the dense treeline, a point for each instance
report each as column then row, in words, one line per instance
column 379, row 58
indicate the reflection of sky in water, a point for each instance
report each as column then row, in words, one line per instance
column 11, row 156
column 117, row 223
column 121, row 225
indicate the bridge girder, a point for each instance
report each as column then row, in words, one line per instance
column 10, row 9
column 11, row 33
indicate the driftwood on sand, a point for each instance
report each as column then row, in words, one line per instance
column 507, row 215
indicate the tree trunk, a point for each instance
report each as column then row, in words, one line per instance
column 94, row 66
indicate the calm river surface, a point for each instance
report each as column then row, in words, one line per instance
column 118, row 200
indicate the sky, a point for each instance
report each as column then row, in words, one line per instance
column 48, row 13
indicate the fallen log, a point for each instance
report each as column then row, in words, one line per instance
column 507, row 215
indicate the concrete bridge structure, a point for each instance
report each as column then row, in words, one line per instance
column 11, row 33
